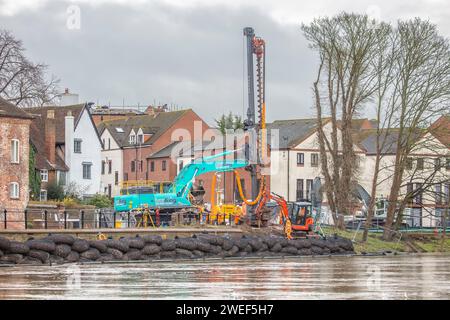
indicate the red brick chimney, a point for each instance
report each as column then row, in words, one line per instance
column 50, row 136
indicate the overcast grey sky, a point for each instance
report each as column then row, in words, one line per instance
column 187, row 52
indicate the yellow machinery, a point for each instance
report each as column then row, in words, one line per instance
column 222, row 213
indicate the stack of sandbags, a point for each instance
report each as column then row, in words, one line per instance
column 61, row 248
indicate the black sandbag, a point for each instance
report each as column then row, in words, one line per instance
column 30, row 261
column 151, row 249
column 152, row 239
column 248, row 248
column 117, row 244
column 106, row 257
column 183, row 253
column 42, row 245
column 304, row 252
column 168, row 254
column 99, row 245
column 242, row 254
column 44, row 256
column 227, row 244
column 4, row 244
column 203, row 246
column 234, row 250
column 198, row 254
column 61, row 239
column 80, row 245
column 270, row 241
column 54, row 259
column 136, row 243
column 242, row 243
column 116, row 253
column 18, row 247
column 316, row 250
column 290, row 250
column 132, row 254
column 211, row 239
column 91, row 254
column 326, row 251
column 303, row 244
column 12, row 258
column 168, row 245
column 186, row 243
column 276, row 248
column 318, row 243
column 256, row 244
column 215, row 249
column 62, row 250
column 264, row 247
column 73, row 257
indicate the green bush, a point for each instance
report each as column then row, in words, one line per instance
column 55, row 191
column 100, row 201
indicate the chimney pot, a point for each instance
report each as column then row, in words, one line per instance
column 69, row 113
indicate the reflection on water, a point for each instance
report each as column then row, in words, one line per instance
column 399, row 277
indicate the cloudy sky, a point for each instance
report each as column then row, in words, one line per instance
column 186, row 52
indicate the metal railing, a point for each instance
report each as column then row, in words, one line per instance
column 32, row 219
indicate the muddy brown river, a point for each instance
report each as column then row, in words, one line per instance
column 385, row 277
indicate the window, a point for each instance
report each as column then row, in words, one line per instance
column 314, row 159
column 87, row 171
column 409, row 191
column 299, row 189
column 418, row 197
column 133, row 166
column 446, row 193
column 300, row 158
column 438, row 193
column 15, row 151
column 163, row 165
column 437, row 164
column 77, row 146
column 14, row 190
column 109, row 166
column 140, row 138
column 125, row 176
column 62, row 178
column 116, row 178
column 104, row 145
column 132, row 139
column 420, row 163
column 43, row 195
column 309, row 186
column 409, row 164
column 140, row 165
column 44, row 175
column 103, row 167
column 109, row 143
column 447, row 164
column 152, row 166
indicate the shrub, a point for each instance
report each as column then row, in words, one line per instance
column 100, row 201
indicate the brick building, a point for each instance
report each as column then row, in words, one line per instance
column 14, row 161
column 128, row 143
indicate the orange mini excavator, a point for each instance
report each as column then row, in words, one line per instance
column 298, row 222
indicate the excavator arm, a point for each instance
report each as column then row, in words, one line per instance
column 185, row 179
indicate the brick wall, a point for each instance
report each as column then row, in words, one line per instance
column 19, row 129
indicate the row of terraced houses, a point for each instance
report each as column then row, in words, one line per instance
column 91, row 150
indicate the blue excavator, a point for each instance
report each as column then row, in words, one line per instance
column 179, row 195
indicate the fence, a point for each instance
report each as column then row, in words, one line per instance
column 101, row 219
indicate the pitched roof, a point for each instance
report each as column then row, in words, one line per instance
column 189, row 148
column 292, row 132
column 154, row 125
column 60, row 114
column 9, row 110
column 441, row 130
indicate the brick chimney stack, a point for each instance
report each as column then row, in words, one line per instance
column 50, row 136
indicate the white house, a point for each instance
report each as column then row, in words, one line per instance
column 71, row 131
column 111, row 164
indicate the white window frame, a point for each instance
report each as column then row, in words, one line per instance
column 87, row 177
column 132, row 139
column 14, row 190
column 15, row 154
column 40, row 195
column 44, row 175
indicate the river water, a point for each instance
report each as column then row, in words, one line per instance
column 385, row 277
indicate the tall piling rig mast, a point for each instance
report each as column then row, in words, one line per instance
column 256, row 47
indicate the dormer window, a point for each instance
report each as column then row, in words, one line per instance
column 132, row 137
column 140, row 136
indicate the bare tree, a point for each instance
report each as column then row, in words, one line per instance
column 347, row 45
column 421, row 92
column 22, row 82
